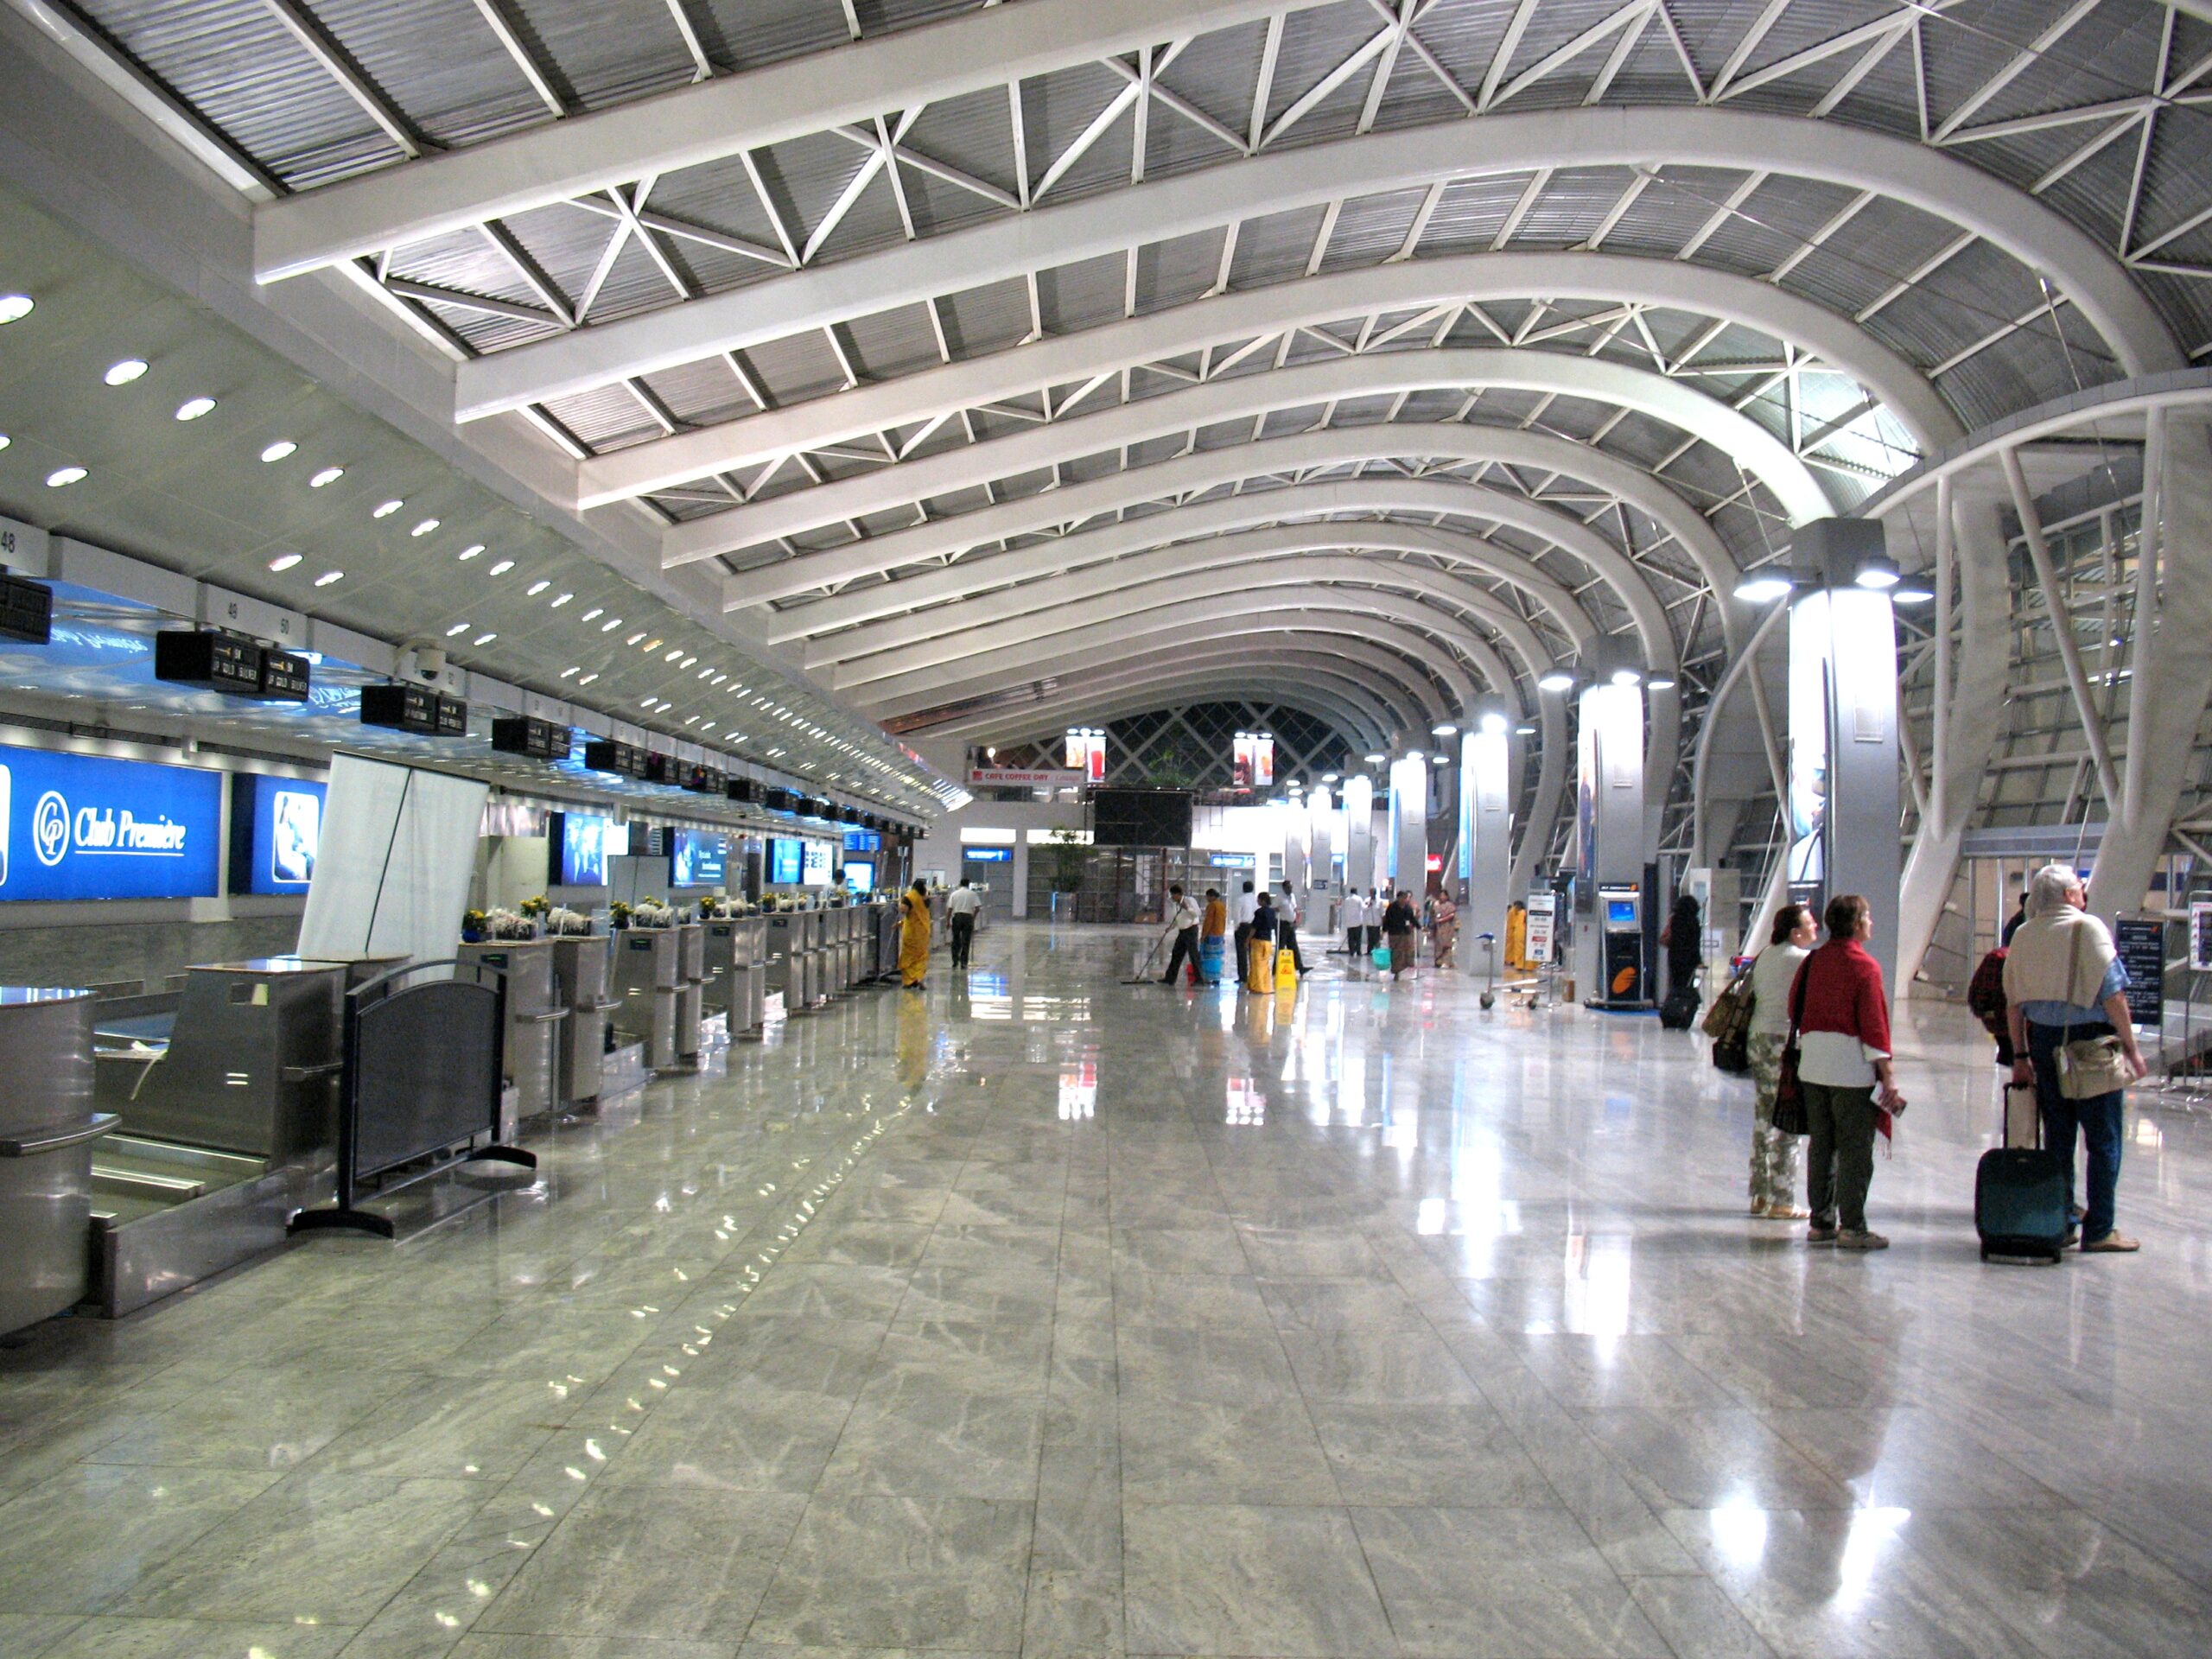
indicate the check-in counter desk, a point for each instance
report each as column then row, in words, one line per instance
column 735, row 950
column 48, row 1131
column 648, row 974
column 887, row 938
column 789, row 955
column 836, row 940
column 690, row 987
column 579, row 972
column 534, row 1015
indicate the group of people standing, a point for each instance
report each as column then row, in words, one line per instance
column 1389, row 918
column 2063, row 983
column 1266, row 931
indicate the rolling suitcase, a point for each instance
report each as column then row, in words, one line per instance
column 2019, row 1199
column 1680, row 1009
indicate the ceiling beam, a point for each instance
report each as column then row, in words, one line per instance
column 710, row 120
column 1300, row 678
column 1005, row 249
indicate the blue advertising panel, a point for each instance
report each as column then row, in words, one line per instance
column 276, row 831
column 82, row 827
column 787, row 858
column 701, row 859
column 583, row 850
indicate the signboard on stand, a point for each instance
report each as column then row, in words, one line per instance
column 1537, row 948
column 2200, row 937
column 2142, row 949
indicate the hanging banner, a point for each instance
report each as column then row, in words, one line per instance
column 1086, row 754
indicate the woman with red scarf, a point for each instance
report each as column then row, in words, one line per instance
column 1841, row 1011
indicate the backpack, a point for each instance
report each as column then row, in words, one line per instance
column 1985, row 994
column 1728, row 1022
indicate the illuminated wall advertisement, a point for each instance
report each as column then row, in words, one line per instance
column 1359, row 832
column 1609, row 785
column 82, row 827
column 276, row 831
column 1252, row 762
column 814, row 863
column 1843, row 804
column 1808, row 745
column 699, row 859
column 787, row 858
column 1086, row 754
column 583, row 851
column 1486, row 816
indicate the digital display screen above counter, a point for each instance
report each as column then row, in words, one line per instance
column 700, row 858
column 814, row 869
column 276, row 831
column 786, row 860
column 80, row 826
column 583, row 844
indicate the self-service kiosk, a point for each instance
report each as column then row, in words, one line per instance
column 1620, row 925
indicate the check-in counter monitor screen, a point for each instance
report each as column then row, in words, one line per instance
column 814, row 863
column 699, row 859
column 787, row 858
column 859, row 876
column 276, row 833
column 583, row 850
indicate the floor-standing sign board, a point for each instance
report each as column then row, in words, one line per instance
column 2142, row 948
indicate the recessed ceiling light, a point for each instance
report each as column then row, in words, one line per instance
column 633, row 640
column 458, row 627
column 329, row 576
column 610, row 624
column 328, row 475
column 647, row 703
column 538, row 588
column 15, row 307
column 653, row 645
column 62, row 477
column 5, row 440
column 484, row 638
column 502, row 567
column 424, row 528
column 470, row 551
column 283, row 561
column 672, row 655
column 567, row 673
column 279, row 449
column 588, row 679
column 122, row 373
column 688, row 661
column 593, row 614
column 385, row 509
column 559, row 600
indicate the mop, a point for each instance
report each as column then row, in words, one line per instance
column 1143, row 974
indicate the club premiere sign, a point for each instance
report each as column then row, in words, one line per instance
column 80, row 826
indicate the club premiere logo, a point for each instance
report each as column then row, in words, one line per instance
column 50, row 829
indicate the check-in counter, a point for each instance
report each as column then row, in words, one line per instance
column 648, row 963
column 786, row 974
column 580, row 969
column 690, row 986
column 535, row 1014
column 736, row 974
column 246, row 1059
column 48, row 1129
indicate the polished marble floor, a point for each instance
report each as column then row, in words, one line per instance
column 1040, row 1314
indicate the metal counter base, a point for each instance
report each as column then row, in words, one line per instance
column 165, row 1216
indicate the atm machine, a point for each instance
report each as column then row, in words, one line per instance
column 648, row 975
column 580, row 966
column 1620, row 922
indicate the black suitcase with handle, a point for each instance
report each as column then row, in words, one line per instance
column 2019, row 1200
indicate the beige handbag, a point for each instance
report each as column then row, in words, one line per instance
column 2089, row 1067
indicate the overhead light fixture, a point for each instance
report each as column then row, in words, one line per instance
column 483, row 638
column 1493, row 723
column 122, row 373
column 567, row 673
column 610, row 624
column 329, row 576
column 278, row 450
column 473, row 550
column 1558, row 680
column 1447, row 730
column 501, row 568
column 1328, row 777
column 457, row 628
column 1763, row 589
column 1878, row 573
column 192, row 408
column 1911, row 591
column 284, row 562
column 62, row 477
column 1525, row 731
column 1626, row 676
column 588, row 678
column 559, row 600
column 634, row 637
column 653, row 645
column 385, row 509
column 14, row 308
column 424, row 528
column 328, row 475
column 1378, row 760
column 538, row 588
column 593, row 614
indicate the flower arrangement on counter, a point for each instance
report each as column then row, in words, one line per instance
column 501, row 923
column 540, row 906
column 617, row 915
column 472, row 927
column 652, row 913
column 564, row 923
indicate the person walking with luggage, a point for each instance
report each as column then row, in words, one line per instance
column 1774, row 1155
column 1260, row 947
column 1841, row 1010
column 1183, row 919
column 2066, row 1006
column 962, row 905
column 1351, row 915
column 1240, row 909
column 1401, row 928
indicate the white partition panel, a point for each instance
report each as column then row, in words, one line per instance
column 391, row 877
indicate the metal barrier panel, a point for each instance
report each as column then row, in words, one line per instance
column 426, row 1072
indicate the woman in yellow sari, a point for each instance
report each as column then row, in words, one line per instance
column 913, row 935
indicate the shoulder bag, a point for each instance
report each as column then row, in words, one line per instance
column 2089, row 1067
column 1790, row 1115
column 1735, row 999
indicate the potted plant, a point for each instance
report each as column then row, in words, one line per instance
column 617, row 916
column 472, row 927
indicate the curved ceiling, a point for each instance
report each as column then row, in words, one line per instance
column 937, row 323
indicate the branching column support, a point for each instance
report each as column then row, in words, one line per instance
column 2171, row 657
column 1973, row 595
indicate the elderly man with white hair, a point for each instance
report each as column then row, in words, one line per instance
column 2066, row 997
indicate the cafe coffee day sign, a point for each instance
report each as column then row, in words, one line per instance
column 81, row 827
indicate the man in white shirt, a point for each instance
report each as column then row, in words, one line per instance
column 1241, row 907
column 1351, row 916
column 961, row 906
column 1182, row 918
column 1287, row 916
